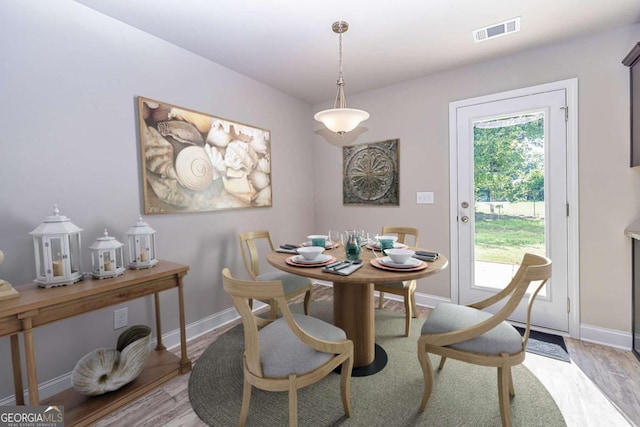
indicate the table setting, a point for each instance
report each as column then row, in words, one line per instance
column 353, row 266
column 394, row 256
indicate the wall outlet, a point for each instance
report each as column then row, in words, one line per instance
column 120, row 318
column 424, row 197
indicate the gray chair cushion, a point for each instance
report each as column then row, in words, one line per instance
column 290, row 282
column 446, row 317
column 397, row 285
column 282, row 353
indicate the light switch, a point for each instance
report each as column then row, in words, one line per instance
column 424, row 197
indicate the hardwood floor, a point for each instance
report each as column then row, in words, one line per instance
column 600, row 387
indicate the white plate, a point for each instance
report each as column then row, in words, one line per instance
column 412, row 262
column 319, row 260
column 396, row 245
column 328, row 244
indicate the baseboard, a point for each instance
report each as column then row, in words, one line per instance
column 594, row 334
column 170, row 339
column 604, row 336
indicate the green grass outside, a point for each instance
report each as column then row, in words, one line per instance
column 506, row 238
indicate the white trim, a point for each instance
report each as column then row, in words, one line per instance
column 571, row 87
column 573, row 224
column 604, row 336
column 170, row 339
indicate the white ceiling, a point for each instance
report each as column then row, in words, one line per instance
column 289, row 44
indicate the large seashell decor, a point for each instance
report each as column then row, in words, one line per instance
column 107, row 369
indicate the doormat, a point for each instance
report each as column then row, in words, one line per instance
column 546, row 345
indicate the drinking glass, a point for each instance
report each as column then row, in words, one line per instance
column 334, row 236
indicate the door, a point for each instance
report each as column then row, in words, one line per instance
column 511, row 198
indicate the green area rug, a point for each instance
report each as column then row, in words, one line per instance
column 463, row 394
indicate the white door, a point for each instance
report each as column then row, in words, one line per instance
column 511, row 197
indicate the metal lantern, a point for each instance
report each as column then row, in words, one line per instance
column 107, row 259
column 142, row 245
column 56, row 243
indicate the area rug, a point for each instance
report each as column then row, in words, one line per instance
column 463, row 394
column 548, row 345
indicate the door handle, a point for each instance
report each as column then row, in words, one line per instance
column 464, row 218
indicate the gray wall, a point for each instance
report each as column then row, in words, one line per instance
column 416, row 112
column 68, row 82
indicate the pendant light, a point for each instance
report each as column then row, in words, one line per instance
column 341, row 119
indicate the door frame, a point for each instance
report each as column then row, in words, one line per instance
column 573, row 273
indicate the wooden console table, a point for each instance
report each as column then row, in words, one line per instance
column 38, row 306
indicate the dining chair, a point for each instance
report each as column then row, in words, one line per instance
column 293, row 285
column 288, row 353
column 469, row 334
column 405, row 289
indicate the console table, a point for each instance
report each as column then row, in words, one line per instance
column 38, row 306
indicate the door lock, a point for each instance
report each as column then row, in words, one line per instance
column 464, row 219
column 464, row 205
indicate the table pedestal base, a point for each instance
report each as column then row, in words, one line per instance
column 378, row 364
column 354, row 312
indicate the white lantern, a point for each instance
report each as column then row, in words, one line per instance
column 56, row 243
column 142, row 245
column 107, row 259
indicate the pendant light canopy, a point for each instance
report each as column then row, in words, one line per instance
column 341, row 119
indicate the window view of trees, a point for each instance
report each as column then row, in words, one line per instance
column 509, row 188
column 509, row 159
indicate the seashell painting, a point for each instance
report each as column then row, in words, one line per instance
column 194, row 162
column 107, row 369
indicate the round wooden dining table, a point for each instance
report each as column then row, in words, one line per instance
column 353, row 300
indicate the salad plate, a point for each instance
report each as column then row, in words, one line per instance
column 411, row 262
column 376, row 263
column 300, row 261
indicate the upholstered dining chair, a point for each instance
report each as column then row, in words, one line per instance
column 288, row 353
column 405, row 289
column 250, row 244
column 469, row 334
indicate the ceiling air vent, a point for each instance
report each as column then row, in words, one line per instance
column 503, row 28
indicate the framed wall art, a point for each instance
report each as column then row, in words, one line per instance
column 371, row 173
column 194, row 162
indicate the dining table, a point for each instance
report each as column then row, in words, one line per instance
column 353, row 297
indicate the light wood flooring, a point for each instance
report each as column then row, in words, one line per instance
column 600, row 387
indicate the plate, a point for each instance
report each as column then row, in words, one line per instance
column 411, row 262
column 328, row 244
column 396, row 245
column 376, row 263
column 299, row 261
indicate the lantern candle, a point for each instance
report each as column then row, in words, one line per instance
column 143, row 256
column 107, row 266
column 57, row 268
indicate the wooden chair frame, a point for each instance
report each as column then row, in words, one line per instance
column 241, row 292
column 408, row 291
column 533, row 268
column 251, row 259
